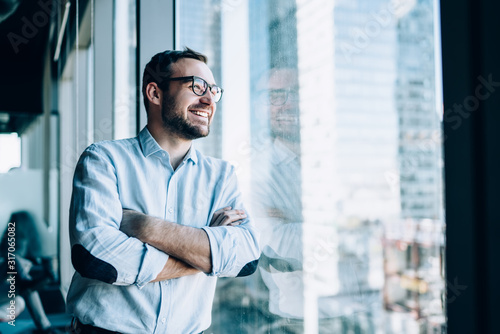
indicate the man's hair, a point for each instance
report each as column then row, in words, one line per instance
column 159, row 68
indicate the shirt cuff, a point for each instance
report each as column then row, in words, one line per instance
column 152, row 264
column 220, row 243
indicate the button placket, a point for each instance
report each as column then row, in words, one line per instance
column 161, row 320
column 171, row 199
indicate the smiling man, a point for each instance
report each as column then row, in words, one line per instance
column 153, row 222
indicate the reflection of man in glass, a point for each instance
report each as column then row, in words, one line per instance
column 283, row 102
column 277, row 200
column 271, row 301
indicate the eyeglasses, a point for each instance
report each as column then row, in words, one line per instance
column 278, row 97
column 200, row 86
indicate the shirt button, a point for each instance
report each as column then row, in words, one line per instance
column 163, row 320
column 170, row 210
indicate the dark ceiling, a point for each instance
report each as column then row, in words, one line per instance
column 24, row 30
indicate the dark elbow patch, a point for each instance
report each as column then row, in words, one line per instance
column 89, row 266
column 248, row 269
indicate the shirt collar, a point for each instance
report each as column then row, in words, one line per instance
column 149, row 146
column 191, row 155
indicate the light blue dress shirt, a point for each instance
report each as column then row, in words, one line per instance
column 111, row 288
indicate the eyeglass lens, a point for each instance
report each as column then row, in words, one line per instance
column 200, row 86
column 277, row 97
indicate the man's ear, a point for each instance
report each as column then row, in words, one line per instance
column 154, row 93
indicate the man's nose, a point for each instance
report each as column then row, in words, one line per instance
column 208, row 98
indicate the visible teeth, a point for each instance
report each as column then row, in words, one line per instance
column 200, row 113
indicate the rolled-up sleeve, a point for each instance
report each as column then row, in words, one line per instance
column 99, row 250
column 235, row 249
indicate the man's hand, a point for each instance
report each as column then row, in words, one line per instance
column 227, row 217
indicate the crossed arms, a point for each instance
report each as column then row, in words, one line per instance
column 188, row 247
column 143, row 248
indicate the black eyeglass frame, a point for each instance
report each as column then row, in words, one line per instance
column 193, row 78
column 282, row 98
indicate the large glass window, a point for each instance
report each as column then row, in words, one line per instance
column 124, row 81
column 332, row 117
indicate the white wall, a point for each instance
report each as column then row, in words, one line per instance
column 22, row 190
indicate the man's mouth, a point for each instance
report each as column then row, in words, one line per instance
column 286, row 119
column 200, row 113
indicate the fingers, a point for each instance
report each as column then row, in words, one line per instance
column 222, row 210
column 236, row 223
column 217, row 215
column 233, row 216
column 229, row 218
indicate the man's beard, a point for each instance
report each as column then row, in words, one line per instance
column 176, row 123
column 288, row 130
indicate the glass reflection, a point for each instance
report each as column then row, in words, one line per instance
column 345, row 164
column 277, row 201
